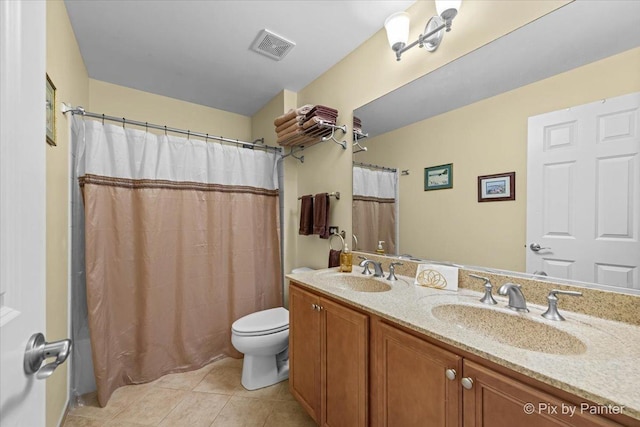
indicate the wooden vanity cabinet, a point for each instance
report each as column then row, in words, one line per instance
column 328, row 354
column 412, row 388
column 414, row 380
column 496, row 400
column 304, row 350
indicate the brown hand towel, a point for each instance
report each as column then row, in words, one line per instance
column 321, row 215
column 286, row 124
column 292, row 128
column 282, row 139
column 321, row 109
column 334, row 257
column 284, row 118
column 306, row 215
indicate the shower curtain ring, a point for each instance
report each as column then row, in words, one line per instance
column 188, row 134
column 103, row 120
column 146, row 127
column 206, row 139
column 123, row 120
column 165, row 130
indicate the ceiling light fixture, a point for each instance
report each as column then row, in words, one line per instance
column 397, row 26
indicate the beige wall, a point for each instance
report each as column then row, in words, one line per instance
column 262, row 127
column 66, row 69
column 369, row 72
column 120, row 101
column 484, row 138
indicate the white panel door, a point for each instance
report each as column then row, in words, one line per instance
column 22, row 206
column 583, row 192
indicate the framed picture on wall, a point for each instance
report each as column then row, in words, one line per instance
column 51, row 112
column 497, row 188
column 438, row 177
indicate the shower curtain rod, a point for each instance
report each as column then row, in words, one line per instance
column 369, row 165
column 255, row 144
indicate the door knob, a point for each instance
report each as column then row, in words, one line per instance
column 38, row 350
column 535, row 247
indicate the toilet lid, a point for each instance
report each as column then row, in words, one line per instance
column 264, row 322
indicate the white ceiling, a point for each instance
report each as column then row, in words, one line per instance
column 198, row 51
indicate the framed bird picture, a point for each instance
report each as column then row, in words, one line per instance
column 438, row 177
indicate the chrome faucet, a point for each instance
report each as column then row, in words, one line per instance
column 517, row 300
column 377, row 267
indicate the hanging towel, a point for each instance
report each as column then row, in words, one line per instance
column 306, row 215
column 334, row 257
column 321, row 215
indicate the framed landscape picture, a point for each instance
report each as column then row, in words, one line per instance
column 496, row 188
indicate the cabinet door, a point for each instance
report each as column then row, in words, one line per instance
column 495, row 400
column 344, row 363
column 304, row 350
column 411, row 384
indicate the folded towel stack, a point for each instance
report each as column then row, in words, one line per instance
column 302, row 125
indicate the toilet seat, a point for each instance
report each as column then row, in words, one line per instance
column 262, row 322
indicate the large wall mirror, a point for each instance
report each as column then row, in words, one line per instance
column 473, row 114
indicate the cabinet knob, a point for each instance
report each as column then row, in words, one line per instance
column 467, row 383
column 451, row 374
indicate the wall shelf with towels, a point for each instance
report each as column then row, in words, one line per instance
column 307, row 126
column 357, row 137
column 324, row 132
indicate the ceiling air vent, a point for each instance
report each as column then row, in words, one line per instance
column 272, row 45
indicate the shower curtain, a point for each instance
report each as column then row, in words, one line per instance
column 182, row 238
column 375, row 209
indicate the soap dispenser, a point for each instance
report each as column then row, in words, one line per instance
column 380, row 249
column 346, row 260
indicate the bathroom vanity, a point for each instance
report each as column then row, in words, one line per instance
column 367, row 351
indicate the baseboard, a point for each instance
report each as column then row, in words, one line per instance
column 63, row 418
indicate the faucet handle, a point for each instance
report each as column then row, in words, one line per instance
column 392, row 270
column 365, row 264
column 552, row 311
column 488, row 287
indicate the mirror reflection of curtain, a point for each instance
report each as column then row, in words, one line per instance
column 375, row 209
column 182, row 238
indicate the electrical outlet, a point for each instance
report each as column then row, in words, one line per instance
column 334, row 229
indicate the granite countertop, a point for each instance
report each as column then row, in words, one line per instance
column 590, row 357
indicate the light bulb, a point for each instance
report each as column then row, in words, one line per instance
column 397, row 26
column 448, row 9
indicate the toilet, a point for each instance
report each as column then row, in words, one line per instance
column 263, row 337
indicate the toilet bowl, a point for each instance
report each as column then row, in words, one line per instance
column 263, row 337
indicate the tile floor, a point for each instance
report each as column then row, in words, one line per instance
column 209, row 397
